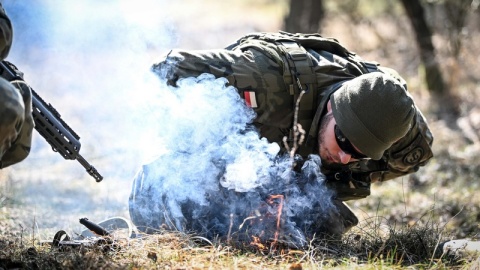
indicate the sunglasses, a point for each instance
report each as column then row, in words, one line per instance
column 346, row 145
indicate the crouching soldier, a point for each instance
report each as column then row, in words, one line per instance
column 358, row 116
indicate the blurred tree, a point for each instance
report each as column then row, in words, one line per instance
column 433, row 75
column 304, row 16
column 456, row 13
column 444, row 102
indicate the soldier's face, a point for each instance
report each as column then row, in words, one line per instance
column 328, row 148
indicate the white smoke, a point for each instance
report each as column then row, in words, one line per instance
column 91, row 60
column 203, row 122
column 216, row 170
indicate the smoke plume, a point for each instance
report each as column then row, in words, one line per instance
column 199, row 164
column 91, row 60
column 218, row 177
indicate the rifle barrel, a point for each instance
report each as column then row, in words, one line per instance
column 90, row 169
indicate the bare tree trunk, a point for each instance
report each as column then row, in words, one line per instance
column 304, row 17
column 457, row 13
column 423, row 36
column 444, row 103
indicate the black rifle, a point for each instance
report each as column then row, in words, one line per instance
column 50, row 125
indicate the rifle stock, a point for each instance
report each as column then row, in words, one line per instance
column 50, row 125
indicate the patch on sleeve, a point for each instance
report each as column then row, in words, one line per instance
column 250, row 99
column 414, row 156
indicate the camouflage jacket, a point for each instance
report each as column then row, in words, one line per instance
column 16, row 122
column 6, row 33
column 269, row 64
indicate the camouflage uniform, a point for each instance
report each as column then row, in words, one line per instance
column 269, row 64
column 16, row 122
column 257, row 63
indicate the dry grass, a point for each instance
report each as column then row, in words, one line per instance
column 366, row 248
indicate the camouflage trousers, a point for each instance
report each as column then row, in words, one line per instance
column 16, row 122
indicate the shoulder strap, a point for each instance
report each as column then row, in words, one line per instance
column 300, row 76
column 299, row 70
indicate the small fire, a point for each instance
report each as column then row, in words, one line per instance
column 263, row 219
column 256, row 242
column 276, row 200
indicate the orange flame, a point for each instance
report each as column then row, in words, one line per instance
column 273, row 201
column 257, row 243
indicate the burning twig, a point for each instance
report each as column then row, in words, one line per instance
column 271, row 201
column 266, row 221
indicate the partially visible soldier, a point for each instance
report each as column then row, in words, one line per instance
column 16, row 122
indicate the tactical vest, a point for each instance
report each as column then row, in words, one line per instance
column 298, row 69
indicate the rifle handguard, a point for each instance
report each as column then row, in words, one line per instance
column 50, row 125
